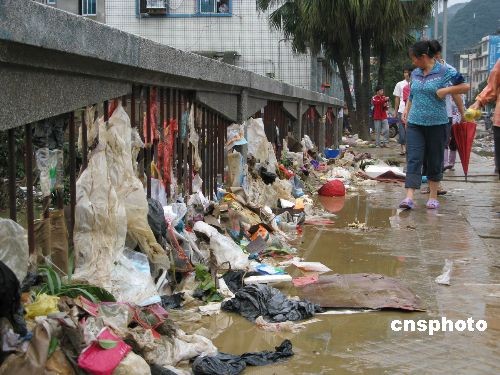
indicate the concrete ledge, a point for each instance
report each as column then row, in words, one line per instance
column 64, row 50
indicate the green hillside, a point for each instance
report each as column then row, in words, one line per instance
column 464, row 31
column 451, row 13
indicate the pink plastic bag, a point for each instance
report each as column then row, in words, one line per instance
column 98, row 361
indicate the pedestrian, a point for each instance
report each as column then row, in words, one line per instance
column 491, row 93
column 380, row 106
column 426, row 118
column 451, row 100
column 401, row 93
column 345, row 123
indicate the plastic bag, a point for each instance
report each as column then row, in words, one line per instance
column 132, row 364
column 175, row 213
column 156, row 219
column 158, row 191
column 257, row 140
column 197, row 184
column 307, row 143
column 50, row 165
column 229, row 364
column 14, row 245
column 131, row 279
column 444, row 278
column 98, row 361
column 43, row 305
column 224, row 248
column 235, row 169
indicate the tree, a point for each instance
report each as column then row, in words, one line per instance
column 349, row 32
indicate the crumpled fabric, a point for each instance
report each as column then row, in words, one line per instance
column 166, row 150
column 111, row 205
column 229, row 364
column 257, row 300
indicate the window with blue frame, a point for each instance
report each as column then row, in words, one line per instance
column 214, row 6
column 89, row 7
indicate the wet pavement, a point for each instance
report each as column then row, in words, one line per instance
column 411, row 246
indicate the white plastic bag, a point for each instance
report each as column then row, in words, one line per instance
column 14, row 247
column 224, row 248
column 257, row 140
column 444, row 278
column 132, row 281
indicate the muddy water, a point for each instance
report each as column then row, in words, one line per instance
column 330, row 345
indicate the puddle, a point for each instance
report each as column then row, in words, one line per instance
column 358, row 209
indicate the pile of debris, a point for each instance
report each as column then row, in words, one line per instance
column 137, row 259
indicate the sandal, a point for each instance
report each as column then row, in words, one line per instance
column 441, row 192
column 407, row 203
column 432, row 204
column 425, row 190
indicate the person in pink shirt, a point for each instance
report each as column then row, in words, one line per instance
column 491, row 93
column 380, row 106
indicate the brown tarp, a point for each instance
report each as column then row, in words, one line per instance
column 360, row 290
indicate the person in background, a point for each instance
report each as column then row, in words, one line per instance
column 426, row 118
column 381, row 125
column 345, row 123
column 491, row 93
column 399, row 106
column 222, row 7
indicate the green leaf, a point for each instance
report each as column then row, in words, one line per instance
column 53, row 280
column 99, row 293
column 108, row 344
column 54, row 342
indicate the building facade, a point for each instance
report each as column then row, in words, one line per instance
column 233, row 31
column 93, row 9
column 477, row 63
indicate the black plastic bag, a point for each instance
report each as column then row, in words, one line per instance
column 234, row 279
column 267, row 177
column 159, row 370
column 257, row 300
column 156, row 219
column 172, row 302
column 10, row 300
column 229, row 364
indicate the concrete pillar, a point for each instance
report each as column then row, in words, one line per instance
column 242, row 109
column 338, row 128
column 322, row 132
column 297, row 128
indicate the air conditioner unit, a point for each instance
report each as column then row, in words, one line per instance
column 156, row 6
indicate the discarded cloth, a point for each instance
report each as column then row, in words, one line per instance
column 257, row 300
column 10, row 298
column 229, row 364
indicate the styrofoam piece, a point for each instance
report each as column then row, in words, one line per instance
column 312, row 266
column 265, row 279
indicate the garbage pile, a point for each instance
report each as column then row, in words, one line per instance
column 137, row 259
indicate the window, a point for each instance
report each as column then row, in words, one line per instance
column 89, row 7
column 215, row 6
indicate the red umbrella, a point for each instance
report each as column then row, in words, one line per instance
column 464, row 134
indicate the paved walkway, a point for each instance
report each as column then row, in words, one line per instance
column 411, row 246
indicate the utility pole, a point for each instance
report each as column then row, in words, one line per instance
column 445, row 27
column 436, row 23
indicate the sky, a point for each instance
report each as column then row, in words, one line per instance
column 453, row 2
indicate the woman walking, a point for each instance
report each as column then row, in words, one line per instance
column 491, row 93
column 426, row 118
